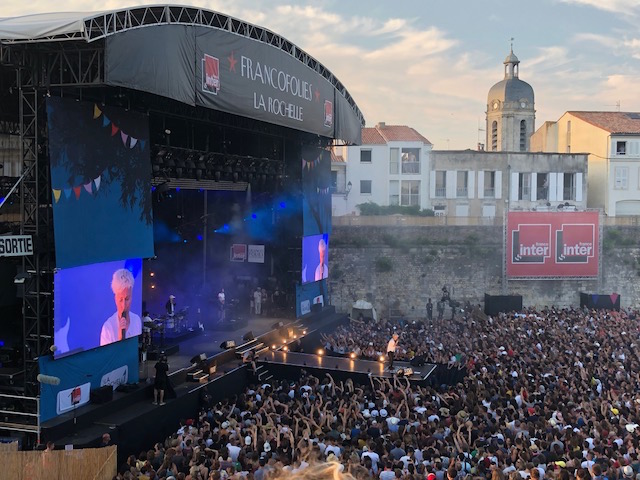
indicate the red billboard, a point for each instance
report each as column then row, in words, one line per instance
column 552, row 244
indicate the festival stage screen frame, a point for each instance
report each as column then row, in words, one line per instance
column 313, row 247
column 553, row 245
column 86, row 315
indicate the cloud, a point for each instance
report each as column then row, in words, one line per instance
column 616, row 6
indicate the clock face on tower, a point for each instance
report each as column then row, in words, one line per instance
column 523, row 105
column 495, row 105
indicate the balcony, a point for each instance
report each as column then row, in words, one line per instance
column 411, row 168
column 489, row 192
column 462, row 192
column 441, row 192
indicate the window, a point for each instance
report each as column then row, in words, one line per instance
column 524, row 186
column 462, row 184
column 365, row 187
column 365, row 156
column 334, row 181
column 441, row 183
column 569, row 187
column 394, row 161
column 523, row 136
column 621, row 148
column 621, row 178
column 410, row 193
column 494, row 136
column 489, row 184
column 394, row 192
column 410, row 160
column 542, row 186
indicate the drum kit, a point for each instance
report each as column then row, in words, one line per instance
column 168, row 323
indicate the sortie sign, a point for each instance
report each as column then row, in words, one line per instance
column 16, row 245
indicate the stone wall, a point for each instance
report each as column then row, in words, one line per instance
column 399, row 268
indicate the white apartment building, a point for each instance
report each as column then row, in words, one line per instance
column 612, row 140
column 391, row 167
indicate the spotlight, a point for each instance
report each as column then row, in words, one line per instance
column 304, row 332
column 151, row 274
column 320, row 352
column 152, row 287
column 352, row 356
column 285, row 348
column 273, row 347
column 381, row 358
column 284, row 342
column 295, row 336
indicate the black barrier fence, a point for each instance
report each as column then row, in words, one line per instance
column 494, row 304
column 600, row 301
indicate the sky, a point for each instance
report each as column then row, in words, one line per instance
column 430, row 64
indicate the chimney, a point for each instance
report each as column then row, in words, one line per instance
column 380, row 125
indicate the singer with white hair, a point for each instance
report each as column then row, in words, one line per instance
column 123, row 323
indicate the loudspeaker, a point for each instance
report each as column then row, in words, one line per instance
column 102, row 394
column 198, row 358
column 228, row 344
column 248, row 337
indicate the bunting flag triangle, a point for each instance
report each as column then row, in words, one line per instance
column 96, row 111
column 97, row 182
column 87, row 187
column 77, row 190
column 133, row 142
column 105, row 121
column 614, row 298
column 67, row 192
column 114, row 129
column 142, row 144
column 124, row 137
column 56, row 194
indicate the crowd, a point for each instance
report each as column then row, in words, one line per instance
column 553, row 393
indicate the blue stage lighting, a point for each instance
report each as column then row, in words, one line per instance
column 283, row 205
column 153, row 189
column 199, row 237
column 185, row 240
column 254, row 215
column 177, row 189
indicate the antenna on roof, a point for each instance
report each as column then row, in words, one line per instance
column 617, row 105
column 512, row 39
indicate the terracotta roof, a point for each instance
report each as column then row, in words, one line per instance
column 612, row 122
column 336, row 158
column 382, row 134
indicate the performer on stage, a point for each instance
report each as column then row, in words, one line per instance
column 221, row 301
column 391, row 349
column 171, row 305
column 123, row 323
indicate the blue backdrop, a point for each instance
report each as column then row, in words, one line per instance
column 101, row 183
column 88, row 367
column 305, row 295
column 83, row 300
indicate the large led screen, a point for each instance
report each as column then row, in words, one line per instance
column 316, row 191
column 96, row 305
column 101, row 182
column 315, row 258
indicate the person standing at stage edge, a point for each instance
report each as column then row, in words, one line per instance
column 160, row 383
column 391, row 349
column 257, row 301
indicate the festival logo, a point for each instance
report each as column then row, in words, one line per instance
column 210, row 74
column 328, row 113
column 531, row 243
column 575, row 243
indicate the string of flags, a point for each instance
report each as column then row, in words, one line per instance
column 91, row 187
column 97, row 113
column 309, row 164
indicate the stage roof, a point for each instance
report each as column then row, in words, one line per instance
column 153, row 27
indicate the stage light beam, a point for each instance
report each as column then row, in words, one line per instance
column 320, row 352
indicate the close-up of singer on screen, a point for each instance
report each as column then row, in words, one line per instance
column 123, row 323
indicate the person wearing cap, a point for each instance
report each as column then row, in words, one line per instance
column 171, row 305
column 391, row 349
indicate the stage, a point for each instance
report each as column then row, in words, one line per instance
column 286, row 363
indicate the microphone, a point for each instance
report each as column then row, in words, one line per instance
column 123, row 321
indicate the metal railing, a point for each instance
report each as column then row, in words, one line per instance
column 20, row 420
column 441, row 192
column 489, row 192
column 462, row 192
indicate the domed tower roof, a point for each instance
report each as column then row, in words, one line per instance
column 511, row 88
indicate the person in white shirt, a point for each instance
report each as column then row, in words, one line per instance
column 391, row 349
column 123, row 323
column 322, row 270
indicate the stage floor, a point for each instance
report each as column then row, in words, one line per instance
column 341, row 364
